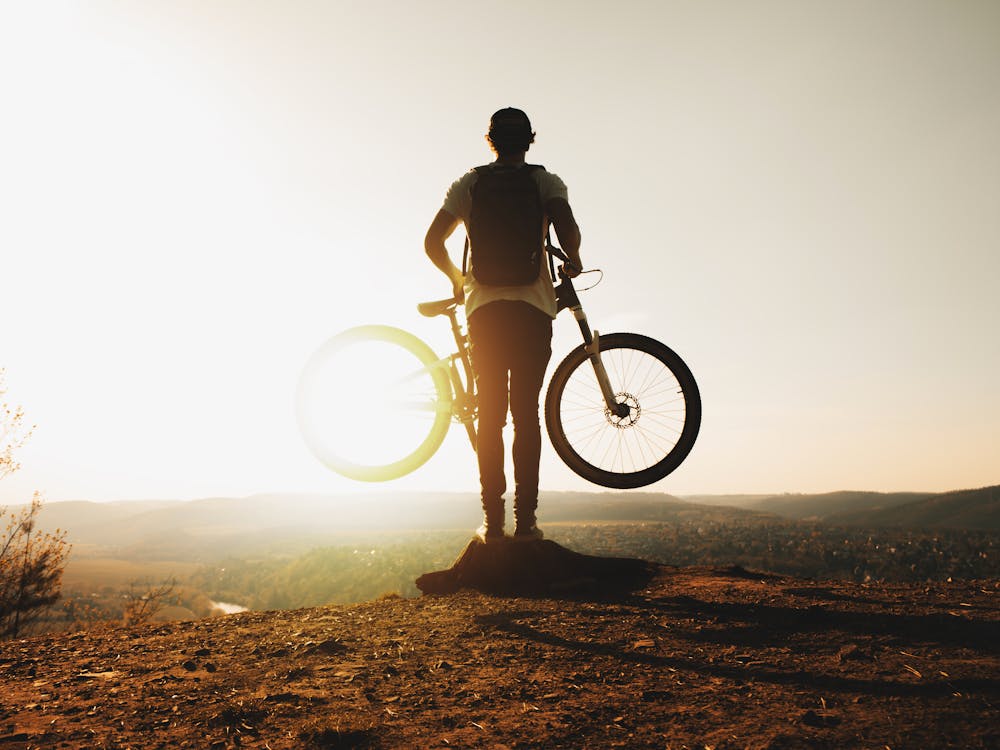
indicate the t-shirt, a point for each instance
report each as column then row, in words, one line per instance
column 540, row 293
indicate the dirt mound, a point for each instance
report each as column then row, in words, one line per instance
column 534, row 568
column 694, row 658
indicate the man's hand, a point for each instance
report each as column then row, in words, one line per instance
column 570, row 270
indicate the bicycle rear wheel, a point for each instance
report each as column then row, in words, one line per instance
column 640, row 448
column 374, row 403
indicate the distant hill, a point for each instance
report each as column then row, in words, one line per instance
column 734, row 501
column 214, row 527
column 74, row 514
column 977, row 509
column 636, row 506
column 963, row 509
column 210, row 528
column 290, row 551
column 827, row 505
column 219, row 526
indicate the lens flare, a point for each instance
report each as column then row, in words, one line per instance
column 374, row 403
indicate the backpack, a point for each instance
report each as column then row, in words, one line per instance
column 505, row 232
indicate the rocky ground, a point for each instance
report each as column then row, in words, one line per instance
column 693, row 658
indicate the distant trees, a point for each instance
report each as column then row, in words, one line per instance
column 31, row 562
column 330, row 575
column 143, row 602
column 799, row 548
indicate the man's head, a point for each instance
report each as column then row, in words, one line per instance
column 510, row 132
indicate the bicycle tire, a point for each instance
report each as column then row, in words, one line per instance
column 663, row 421
column 362, row 383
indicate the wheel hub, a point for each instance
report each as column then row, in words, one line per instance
column 627, row 413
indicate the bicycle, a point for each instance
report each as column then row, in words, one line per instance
column 626, row 421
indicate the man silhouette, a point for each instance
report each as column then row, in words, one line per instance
column 510, row 324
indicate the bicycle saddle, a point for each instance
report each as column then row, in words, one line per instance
column 439, row 307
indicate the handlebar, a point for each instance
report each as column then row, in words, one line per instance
column 565, row 293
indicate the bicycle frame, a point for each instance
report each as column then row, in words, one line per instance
column 464, row 405
column 623, row 438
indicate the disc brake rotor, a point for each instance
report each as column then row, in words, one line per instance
column 628, row 420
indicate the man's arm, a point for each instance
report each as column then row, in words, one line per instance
column 440, row 230
column 567, row 230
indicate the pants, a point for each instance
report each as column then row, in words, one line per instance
column 511, row 343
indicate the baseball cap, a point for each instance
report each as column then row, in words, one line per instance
column 510, row 122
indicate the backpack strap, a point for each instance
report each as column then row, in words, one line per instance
column 465, row 251
column 548, row 251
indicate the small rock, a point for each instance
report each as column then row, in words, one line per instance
column 655, row 695
column 814, row 719
column 329, row 647
column 853, row 652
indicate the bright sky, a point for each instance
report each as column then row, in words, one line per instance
column 801, row 198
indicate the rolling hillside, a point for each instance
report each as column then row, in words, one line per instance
column 233, row 525
column 977, row 509
column 826, row 505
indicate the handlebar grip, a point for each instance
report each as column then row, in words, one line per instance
column 569, row 264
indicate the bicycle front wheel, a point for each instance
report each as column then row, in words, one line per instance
column 624, row 452
column 374, row 403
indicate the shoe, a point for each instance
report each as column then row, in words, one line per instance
column 528, row 533
column 488, row 534
column 492, row 528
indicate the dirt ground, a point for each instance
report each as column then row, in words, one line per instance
column 697, row 658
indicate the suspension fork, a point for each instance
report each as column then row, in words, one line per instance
column 566, row 297
column 592, row 345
